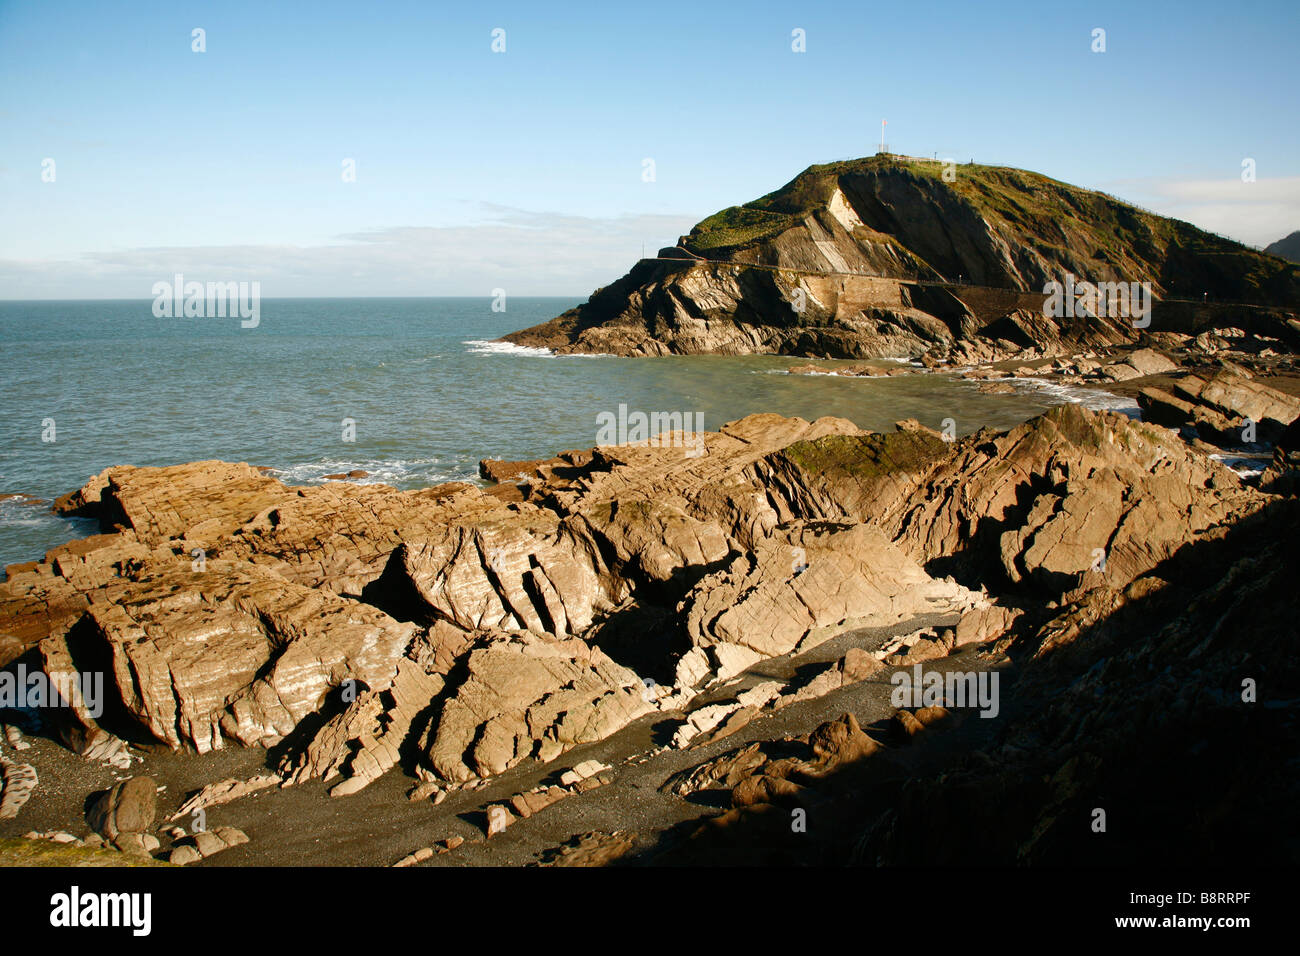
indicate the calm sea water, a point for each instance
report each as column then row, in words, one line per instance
column 429, row 394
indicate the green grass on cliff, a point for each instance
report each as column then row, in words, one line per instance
column 737, row 226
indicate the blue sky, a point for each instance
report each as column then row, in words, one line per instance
column 523, row 170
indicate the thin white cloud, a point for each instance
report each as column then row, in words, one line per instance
column 531, row 252
column 1255, row 213
column 523, row 251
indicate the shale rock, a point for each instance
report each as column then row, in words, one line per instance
column 1237, row 398
column 530, row 695
column 365, row 740
column 233, row 651
column 17, row 783
column 809, row 579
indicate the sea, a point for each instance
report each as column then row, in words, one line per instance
column 412, row 391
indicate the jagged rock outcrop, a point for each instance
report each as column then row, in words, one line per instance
column 516, row 572
column 1221, row 407
column 1139, row 702
column 224, row 791
column 1067, row 497
column 459, row 633
column 807, row 579
column 231, row 651
column 336, row 536
column 366, row 739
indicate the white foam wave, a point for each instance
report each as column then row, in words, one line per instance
column 484, row 347
column 400, row 472
column 29, row 511
column 1094, row 399
column 1244, row 466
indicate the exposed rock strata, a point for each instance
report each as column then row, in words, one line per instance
column 1142, row 701
column 458, row 634
column 1221, row 407
column 529, row 695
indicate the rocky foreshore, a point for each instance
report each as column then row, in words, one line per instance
column 587, row 630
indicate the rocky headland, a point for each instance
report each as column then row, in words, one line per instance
column 894, row 256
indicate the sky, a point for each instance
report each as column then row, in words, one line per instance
column 126, row 156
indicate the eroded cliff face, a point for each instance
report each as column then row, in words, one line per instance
column 886, row 257
column 682, row 307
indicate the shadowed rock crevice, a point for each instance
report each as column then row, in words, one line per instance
column 88, row 654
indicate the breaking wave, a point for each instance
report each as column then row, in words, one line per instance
column 399, row 472
column 485, row 347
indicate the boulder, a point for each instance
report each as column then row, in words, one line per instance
column 762, row 788
column 129, row 807
column 839, row 742
column 498, row 818
column 1119, row 372
column 204, row 844
column 17, row 783
column 982, row 624
column 1150, row 362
